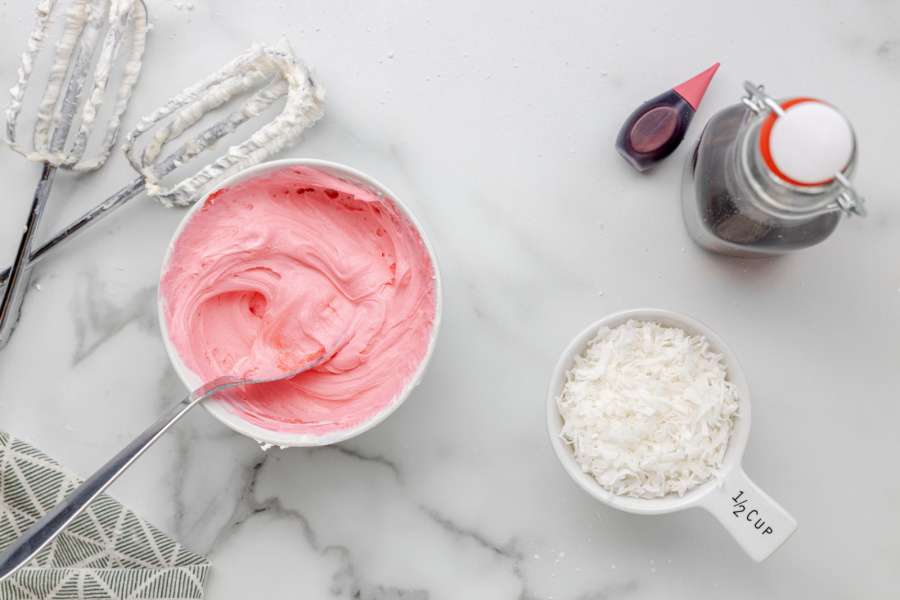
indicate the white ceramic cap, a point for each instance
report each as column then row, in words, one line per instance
column 811, row 142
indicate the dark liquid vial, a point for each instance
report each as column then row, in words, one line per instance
column 654, row 130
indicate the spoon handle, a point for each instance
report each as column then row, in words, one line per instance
column 52, row 524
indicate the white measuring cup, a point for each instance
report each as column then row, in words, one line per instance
column 758, row 523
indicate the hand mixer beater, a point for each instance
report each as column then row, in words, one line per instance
column 256, row 81
column 82, row 66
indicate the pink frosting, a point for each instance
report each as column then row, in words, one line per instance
column 292, row 264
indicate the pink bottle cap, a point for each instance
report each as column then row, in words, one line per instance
column 693, row 89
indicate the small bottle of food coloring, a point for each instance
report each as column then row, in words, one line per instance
column 770, row 176
column 656, row 127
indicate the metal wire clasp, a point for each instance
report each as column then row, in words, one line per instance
column 850, row 201
column 759, row 101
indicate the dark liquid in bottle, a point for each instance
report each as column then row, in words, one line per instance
column 718, row 211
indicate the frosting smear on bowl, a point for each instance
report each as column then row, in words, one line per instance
column 289, row 265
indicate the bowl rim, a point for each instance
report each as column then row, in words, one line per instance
column 671, row 503
column 218, row 409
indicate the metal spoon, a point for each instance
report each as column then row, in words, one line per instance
column 54, row 522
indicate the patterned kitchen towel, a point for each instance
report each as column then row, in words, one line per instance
column 106, row 553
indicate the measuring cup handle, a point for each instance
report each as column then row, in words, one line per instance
column 758, row 523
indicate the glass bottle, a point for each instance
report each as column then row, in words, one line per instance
column 737, row 201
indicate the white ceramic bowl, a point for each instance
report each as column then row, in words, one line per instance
column 717, row 495
column 219, row 409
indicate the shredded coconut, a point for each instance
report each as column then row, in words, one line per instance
column 648, row 410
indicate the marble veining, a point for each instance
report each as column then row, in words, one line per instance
column 496, row 127
column 345, row 581
column 97, row 318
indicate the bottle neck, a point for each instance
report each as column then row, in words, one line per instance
column 776, row 195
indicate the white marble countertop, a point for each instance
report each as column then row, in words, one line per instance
column 495, row 122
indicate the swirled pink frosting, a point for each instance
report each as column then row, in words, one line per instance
column 291, row 264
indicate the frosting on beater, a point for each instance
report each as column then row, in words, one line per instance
column 279, row 73
column 83, row 24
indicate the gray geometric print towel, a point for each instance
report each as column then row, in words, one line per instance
column 106, row 553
